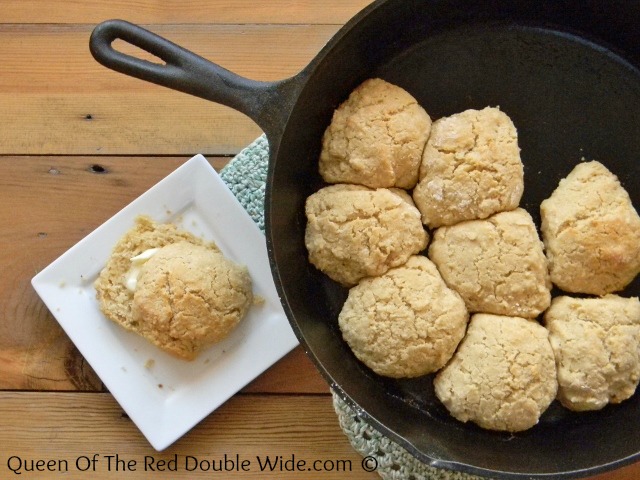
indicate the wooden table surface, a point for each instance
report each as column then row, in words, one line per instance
column 77, row 143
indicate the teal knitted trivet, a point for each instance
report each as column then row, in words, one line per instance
column 246, row 175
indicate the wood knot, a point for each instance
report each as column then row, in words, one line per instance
column 95, row 168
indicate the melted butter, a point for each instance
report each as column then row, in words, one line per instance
column 131, row 279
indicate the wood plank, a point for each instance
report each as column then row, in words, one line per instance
column 68, row 426
column 178, row 11
column 144, row 123
column 56, row 58
column 56, row 99
column 295, row 373
column 34, row 351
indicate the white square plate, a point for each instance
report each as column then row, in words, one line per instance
column 165, row 396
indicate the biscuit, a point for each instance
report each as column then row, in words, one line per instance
column 591, row 232
column 114, row 298
column 470, row 169
column 497, row 265
column 405, row 323
column 353, row 231
column 124, row 305
column 375, row 138
column 503, row 376
column 596, row 342
column 189, row 297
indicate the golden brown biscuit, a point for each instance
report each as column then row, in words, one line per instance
column 596, row 342
column 497, row 265
column 137, row 297
column 503, row 376
column 353, row 231
column 470, row 169
column 114, row 297
column 591, row 232
column 405, row 323
column 189, row 297
column 375, row 138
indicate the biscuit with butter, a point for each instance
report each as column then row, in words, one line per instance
column 114, row 297
column 141, row 288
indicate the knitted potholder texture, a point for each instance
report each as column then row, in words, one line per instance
column 246, row 175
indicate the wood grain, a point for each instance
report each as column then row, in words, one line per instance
column 56, row 99
column 247, row 426
column 178, row 11
column 56, row 58
column 294, row 373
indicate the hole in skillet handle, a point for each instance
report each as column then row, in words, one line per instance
column 128, row 62
column 126, row 48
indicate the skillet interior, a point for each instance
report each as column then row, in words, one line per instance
column 567, row 74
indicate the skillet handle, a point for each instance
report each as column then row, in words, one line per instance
column 266, row 103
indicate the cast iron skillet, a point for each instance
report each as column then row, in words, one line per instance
column 566, row 72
